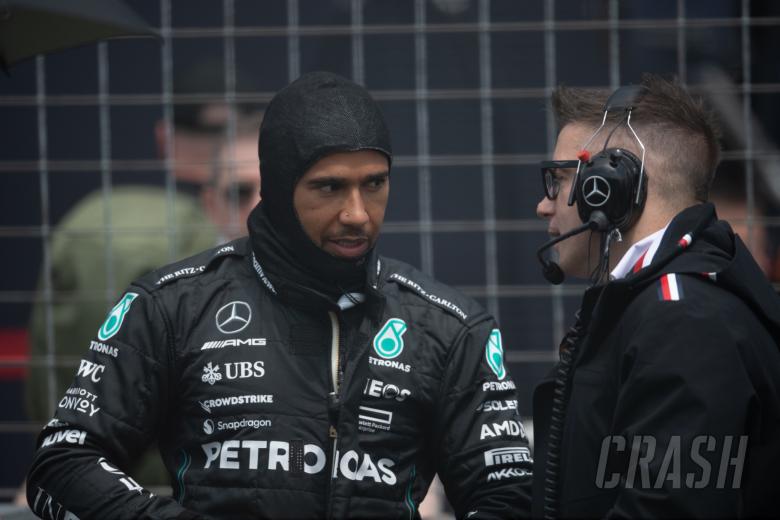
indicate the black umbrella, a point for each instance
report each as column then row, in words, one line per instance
column 30, row 27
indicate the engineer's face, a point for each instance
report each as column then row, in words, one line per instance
column 572, row 252
column 341, row 201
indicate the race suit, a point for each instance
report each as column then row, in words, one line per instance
column 282, row 404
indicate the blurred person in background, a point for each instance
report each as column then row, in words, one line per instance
column 102, row 244
column 233, row 188
column 728, row 194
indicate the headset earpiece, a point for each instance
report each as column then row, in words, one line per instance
column 610, row 182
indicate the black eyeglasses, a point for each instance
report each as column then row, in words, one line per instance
column 241, row 192
column 550, row 181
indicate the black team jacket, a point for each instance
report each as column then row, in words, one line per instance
column 672, row 408
column 273, row 404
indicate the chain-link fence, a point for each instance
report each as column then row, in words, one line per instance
column 464, row 86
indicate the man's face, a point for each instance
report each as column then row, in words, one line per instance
column 341, row 201
column 236, row 189
column 572, row 252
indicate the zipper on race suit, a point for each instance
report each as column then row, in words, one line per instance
column 333, row 400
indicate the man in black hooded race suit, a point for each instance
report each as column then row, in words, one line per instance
column 666, row 400
column 293, row 373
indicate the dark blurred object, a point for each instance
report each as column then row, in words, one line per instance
column 30, row 27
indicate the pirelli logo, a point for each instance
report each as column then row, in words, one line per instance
column 503, row 456
column 250, row 342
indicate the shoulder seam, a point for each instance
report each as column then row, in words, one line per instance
column 436, row 300
column 177, row 271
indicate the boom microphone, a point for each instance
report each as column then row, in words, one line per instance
column 551, row 271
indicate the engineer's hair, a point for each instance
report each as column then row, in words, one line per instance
column 678, row 130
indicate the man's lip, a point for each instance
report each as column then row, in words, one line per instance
column 349, row 246
column 554, row 233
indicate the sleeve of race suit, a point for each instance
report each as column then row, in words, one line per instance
column 106, row 418
column 484, row 459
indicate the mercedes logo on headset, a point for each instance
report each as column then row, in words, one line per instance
column 596, row 191
column 233, row 317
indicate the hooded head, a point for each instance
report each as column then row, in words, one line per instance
column 317, row 115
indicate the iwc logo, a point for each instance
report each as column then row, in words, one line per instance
column 596, row 191
column 233, row 317
column 116, row 317
column 388, row 342
column 494, row 353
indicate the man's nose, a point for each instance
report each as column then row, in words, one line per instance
column 545, row 208
column 354, row 211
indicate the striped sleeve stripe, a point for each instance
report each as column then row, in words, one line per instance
column 669, row 288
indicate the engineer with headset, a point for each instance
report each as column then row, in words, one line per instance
column 666, row 398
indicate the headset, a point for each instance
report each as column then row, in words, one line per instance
column 610, row 187
column 612, row 181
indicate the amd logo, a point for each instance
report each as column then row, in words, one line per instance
column 377, row 388
column 509, row 428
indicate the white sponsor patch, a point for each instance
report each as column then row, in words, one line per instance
column 428, row 296
column 236, row 400
column 494, row 386
column 126, row 480
column 510, row 428
column 249, row 342
column 390, row 363
column 102, row 348
column 210, row 426
column 79, row 404
column 69, row 436
column 373, row 419
column 93, row 371
column 380, row 389
column 237, row 454
column 506, row 473
column 497, row 406
column 184, row 271
column 504, row 456
column 45, row 507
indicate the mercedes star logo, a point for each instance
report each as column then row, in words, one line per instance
column 234, row 317
column 596, row 191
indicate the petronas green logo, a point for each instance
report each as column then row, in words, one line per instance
column 388, row 342
column 494, row 353
column 116, row 317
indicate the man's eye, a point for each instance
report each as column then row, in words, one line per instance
column 327, row 188
column 376, row 183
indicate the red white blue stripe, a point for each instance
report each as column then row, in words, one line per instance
column 686, row 240
column 669, row 288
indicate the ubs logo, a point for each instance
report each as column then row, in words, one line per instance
column 233, row 317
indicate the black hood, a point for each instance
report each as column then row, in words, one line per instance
column 318, row 114
column 712, row 249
